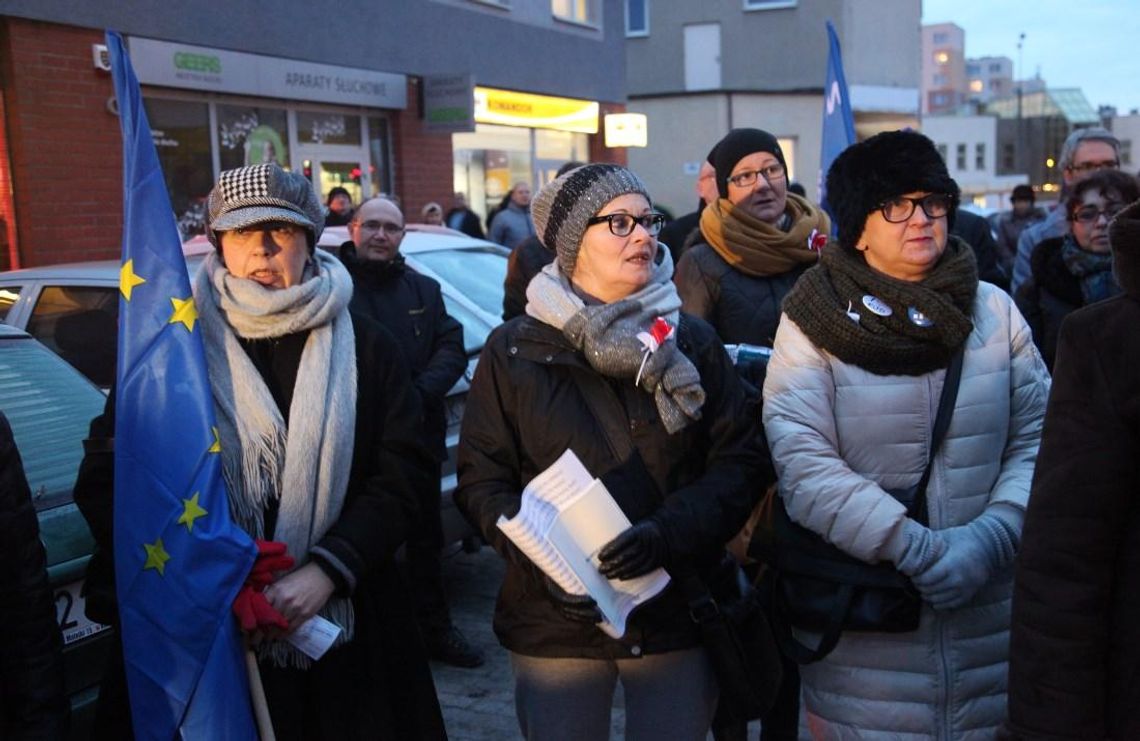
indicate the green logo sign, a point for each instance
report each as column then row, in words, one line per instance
column 198, row 62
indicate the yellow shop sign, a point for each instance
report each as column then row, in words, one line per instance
column 508, row 108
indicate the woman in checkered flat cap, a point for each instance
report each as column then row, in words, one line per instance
column 605, row 364
column 315, row 462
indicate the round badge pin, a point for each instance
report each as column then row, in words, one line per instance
column 918, row 318
column 876, row 305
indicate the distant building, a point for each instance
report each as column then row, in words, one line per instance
column 968, row 144
column 943, row 67
column 699, row 69
column 1127, row 130
column 989, row 78
column 1031, row 141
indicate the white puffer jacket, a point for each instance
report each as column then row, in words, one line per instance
column 840, row 435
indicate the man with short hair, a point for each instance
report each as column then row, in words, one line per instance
column 462, row 219
column 683, row 231
column 1085, row 151
column 410, row 306
column 513, row 224
column 1023, row 213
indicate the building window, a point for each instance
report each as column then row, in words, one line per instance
column 942, row 151
column 961, row 157
column 575, row 11
column 995, row 67
column 181, row 133
column 636, row 18
column 939, row 79
column 980, row 156
column 940, row 37
column 973, row 70
column 1126, row 151
column 1007, row 152
column 768, row 4
column 251, row 136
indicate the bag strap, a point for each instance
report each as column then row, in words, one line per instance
column 946, row 402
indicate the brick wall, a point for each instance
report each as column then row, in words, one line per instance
column 598, row 150
column 422, row 160
column 64, row 145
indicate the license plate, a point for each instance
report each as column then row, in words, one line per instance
column 69, row 613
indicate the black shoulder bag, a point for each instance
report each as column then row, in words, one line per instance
column 821, row 589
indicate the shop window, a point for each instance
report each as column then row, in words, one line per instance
column 251, row 136
column 576, row 11
column 636, row 17
column 379, row 152
column 319, row 127
column 181, row 133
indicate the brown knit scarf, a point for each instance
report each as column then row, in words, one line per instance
column 887, row 345
column 758, row 248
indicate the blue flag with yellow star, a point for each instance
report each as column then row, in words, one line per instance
column 179, row 559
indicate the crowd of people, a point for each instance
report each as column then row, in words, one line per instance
column 1006, row 515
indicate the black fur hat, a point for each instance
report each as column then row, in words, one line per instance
column 887, row 165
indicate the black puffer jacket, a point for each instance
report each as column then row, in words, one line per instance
column 525, row 409
column 740, row 307
column 1049, row 296
column 32, row 700
column 410, row 306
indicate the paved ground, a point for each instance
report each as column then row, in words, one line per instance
column 478, row 704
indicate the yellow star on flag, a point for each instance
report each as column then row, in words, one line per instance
column 184, row 312
column 191, row 511
column 156, row 557
column 128, row 280
column 216, row 447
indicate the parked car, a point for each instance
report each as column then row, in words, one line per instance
column 73, row 309
column 49, row 405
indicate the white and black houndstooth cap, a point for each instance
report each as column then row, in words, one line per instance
column 260, row 193
column 561, row 209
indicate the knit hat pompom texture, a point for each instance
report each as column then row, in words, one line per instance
column 563, row 206
column 259, row 193
column 735, row 146
column 885, row 166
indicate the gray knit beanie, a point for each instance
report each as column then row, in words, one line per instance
column 562, row 207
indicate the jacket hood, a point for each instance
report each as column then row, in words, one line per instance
column 1124, row 236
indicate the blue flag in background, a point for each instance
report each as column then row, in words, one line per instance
column 838, row 121
column 179, row 560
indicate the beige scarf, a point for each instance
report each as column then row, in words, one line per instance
column 758, row 248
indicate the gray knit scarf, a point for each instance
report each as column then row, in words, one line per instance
column 607, row 335
column 304, row 467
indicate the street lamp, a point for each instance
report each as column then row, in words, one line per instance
column 1019, row 149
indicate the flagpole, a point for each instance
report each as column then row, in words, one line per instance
column 257, row 697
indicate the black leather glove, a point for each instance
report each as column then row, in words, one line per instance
column 638, row 550
column 580, row 608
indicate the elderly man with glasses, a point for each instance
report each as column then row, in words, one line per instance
column 1084, row 152
column 411, row 307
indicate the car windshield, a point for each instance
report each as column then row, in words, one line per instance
column 49, row 405
column 475, row 328
column 476, row 273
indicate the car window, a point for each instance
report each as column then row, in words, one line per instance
column 8, row 296
column 475, row 329
column 80, row 323
column 49, row 406
column 476, row 273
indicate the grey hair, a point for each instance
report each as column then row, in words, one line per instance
column 1080, row 136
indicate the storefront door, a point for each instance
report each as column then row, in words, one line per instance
column 328, row 170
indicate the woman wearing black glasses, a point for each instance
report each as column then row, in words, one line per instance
column 605, row 364
column 1075, row 270
column 854, row 385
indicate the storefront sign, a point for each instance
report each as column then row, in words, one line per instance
column 509, row 108
column 627, row 130
column 202, row 68
column 449, row 103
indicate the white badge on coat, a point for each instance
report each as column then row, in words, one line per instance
column 876, row 305
column 918, row 318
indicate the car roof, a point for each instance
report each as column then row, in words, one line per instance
column 8, row 332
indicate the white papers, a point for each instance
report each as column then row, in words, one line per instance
column 565, row 519
column 314, row 637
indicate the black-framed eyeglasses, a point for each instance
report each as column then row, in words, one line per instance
column 621, row 225
column 371, row 227
column 900, row 209
column 747, row 179
column 1089, row 214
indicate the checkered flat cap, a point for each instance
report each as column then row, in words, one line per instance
column 260, row 193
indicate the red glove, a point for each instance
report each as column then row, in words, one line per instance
column 251, row 607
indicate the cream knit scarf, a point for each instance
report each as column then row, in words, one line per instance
column 304, row 467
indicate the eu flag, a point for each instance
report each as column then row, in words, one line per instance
column 838, row 121
column 179, row 560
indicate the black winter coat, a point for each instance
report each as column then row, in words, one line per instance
column 525, row 409
column 410, row 306
column 1049, row 296
column 32, row 700
column 387, row 681
column 1074, row 667
column 526, row 261
column 975, row 231
column 741, row 308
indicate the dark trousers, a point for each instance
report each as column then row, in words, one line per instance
column 425, row 559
